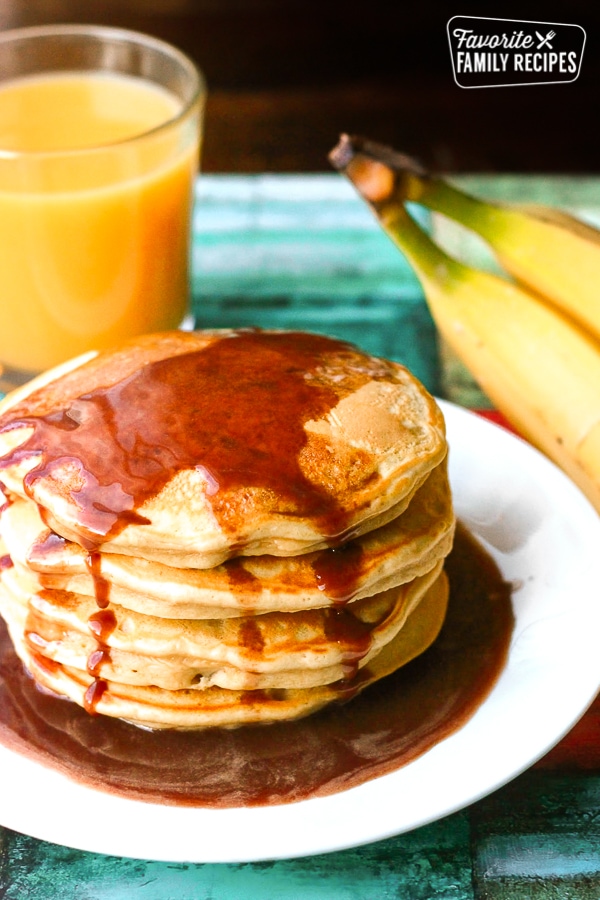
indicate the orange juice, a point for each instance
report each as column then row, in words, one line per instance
column 96, row 184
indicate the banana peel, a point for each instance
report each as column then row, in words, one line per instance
column 548, row 250
column 539, row 368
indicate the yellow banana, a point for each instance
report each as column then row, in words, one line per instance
column 549, row 251
column 537, row 366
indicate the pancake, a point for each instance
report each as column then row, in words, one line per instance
column 377, row 561
column 222, row 527
column 154, row 707
column 289, row 443
column 274, row 650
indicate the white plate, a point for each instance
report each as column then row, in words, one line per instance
column 545, row 536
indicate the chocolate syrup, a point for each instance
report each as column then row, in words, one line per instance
column 101, row 624
column 93, row 564
column 93, row 695
column 351, row 635
column 250, row 636
column 240, row 578
column 44, row 547
column 337, row 571
column 385, row 727
column 235, row 410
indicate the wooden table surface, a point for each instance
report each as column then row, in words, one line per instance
column 304, row 252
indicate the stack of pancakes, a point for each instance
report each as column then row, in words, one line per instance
column 216, row 528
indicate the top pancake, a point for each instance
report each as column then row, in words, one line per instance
column 191, row 448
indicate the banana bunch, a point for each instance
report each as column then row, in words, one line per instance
column 532, row 343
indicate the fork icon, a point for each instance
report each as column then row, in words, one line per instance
column 545, row 41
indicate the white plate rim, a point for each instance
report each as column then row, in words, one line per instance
column 544, row 534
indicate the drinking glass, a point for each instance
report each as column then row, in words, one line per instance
column 100, row 136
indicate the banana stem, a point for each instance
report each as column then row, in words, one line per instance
column 383, row 176
column 386, row 179
column 432, row 265
column 484, row 218
column 378, row 172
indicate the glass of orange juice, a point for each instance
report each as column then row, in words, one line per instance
column 100, row 133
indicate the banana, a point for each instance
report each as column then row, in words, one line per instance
column 539, row 368
column 551, row 252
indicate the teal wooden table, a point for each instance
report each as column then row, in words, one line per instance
column 303, row 252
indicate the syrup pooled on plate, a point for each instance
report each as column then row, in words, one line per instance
column 387, row 726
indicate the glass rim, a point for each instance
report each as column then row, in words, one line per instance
column 123, row 35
